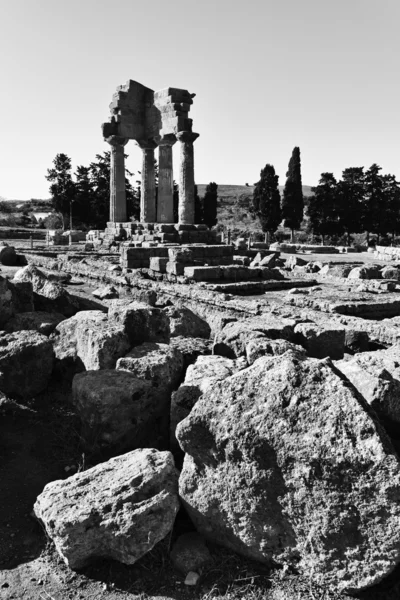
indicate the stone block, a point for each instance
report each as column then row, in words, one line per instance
column 158, row 264
column 202, row 273
column 175, row 268
column 321, row 342
column 181, row 255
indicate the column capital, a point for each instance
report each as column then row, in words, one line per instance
column 117, row 140
column 167, row 140
column 150, row 144
column 187, row 136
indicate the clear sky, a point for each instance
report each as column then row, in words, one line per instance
column 268, row 75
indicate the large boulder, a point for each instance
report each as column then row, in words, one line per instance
column 200, row 377
column 119, row 509
column 8, row 255
column 365, row 272
column 48, row 295
column 376, row 375
column 184, row 322
column 42, row 322
column 285, row 462
column 89, row 341
column 191, row 348
column 161, row 364
column 232, row 340
column 335, row 270
column 118, row 411
column 141, row 322
column 321, row 341
column 26, row 363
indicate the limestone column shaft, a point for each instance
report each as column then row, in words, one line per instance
column 148, row 187
column 165, row 200
column 117, row 180
column 186, row 177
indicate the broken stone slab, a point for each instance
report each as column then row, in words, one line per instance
column 190, row 348
column 376, row 375
column 141, row 322
column 161, row 364
column 335, row 270
column 200, row 377
column 190, row 553
column 231, row 341
column 321, row 341
column 118, row 510
column 184, row 322
column 285, row 462
column 48, row 295
column 42, row 322
column 106, row 292
column 89, row 341
column 259, row 347
column 118, row 411
column 26, row 363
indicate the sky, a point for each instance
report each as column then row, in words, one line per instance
column 268, row 75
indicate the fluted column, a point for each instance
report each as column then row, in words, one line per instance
column 117, row 179
column 165, row 200
column 148, row 186
column 186, row 177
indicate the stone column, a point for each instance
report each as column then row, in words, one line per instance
column 117, row 179
column 165, row 201
column 186, row 177
column 148, row 186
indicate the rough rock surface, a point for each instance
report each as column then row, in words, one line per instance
column 321, row 342
column 49, row 296
column 231, row 341
column 106, row 292
column 190, row 553
column 161, row 364
column 7, row 304
column 184, row 322
column 119, row 509
column 42, row 322
column 376, row 375
column 264, row 347
column 118, row 411
column 141, row 322
column 191, row 348
column 89, row 339
column 200, row 377
column 336, row 270
column 285, row 461
column 26, row 363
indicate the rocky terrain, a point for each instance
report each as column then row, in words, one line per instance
column 161, row 438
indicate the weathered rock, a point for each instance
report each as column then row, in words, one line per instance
column 336, row 270
column 42, row 322
column 294, row 261
column 161, row 364
column 191, row 348
column 190, row 553
column 259, row 347
column 8, row 255
column 106, row 292
column 231, row 341
column 119, row 509
column 390, row 272
column 376, row 375
column 321, row 342
column 200, row 377
column 356, row 341
column 26, row 363
column 22, row 292
column 269, row 261
column 48, row 295
column 118, row 411
column 285, row 462
column 141, row 322
column 90, row 340
column 365, row 272
column 7, row 304
column 184, row 322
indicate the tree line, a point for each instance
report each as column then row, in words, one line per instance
column 84, row 196
column 361, row 201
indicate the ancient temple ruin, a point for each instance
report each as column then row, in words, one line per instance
column 152, row 119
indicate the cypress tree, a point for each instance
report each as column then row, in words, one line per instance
column 267, row 200
column 210, row 204
column 293, row 202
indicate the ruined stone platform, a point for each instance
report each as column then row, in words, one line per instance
column 176, row 233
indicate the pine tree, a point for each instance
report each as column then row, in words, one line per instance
column 84, row 195
column 267, row 200
column 210, row 202
column 62, row 188
column 375, row 202
column 323, row 207
column 293, row 202
column 351, row 201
